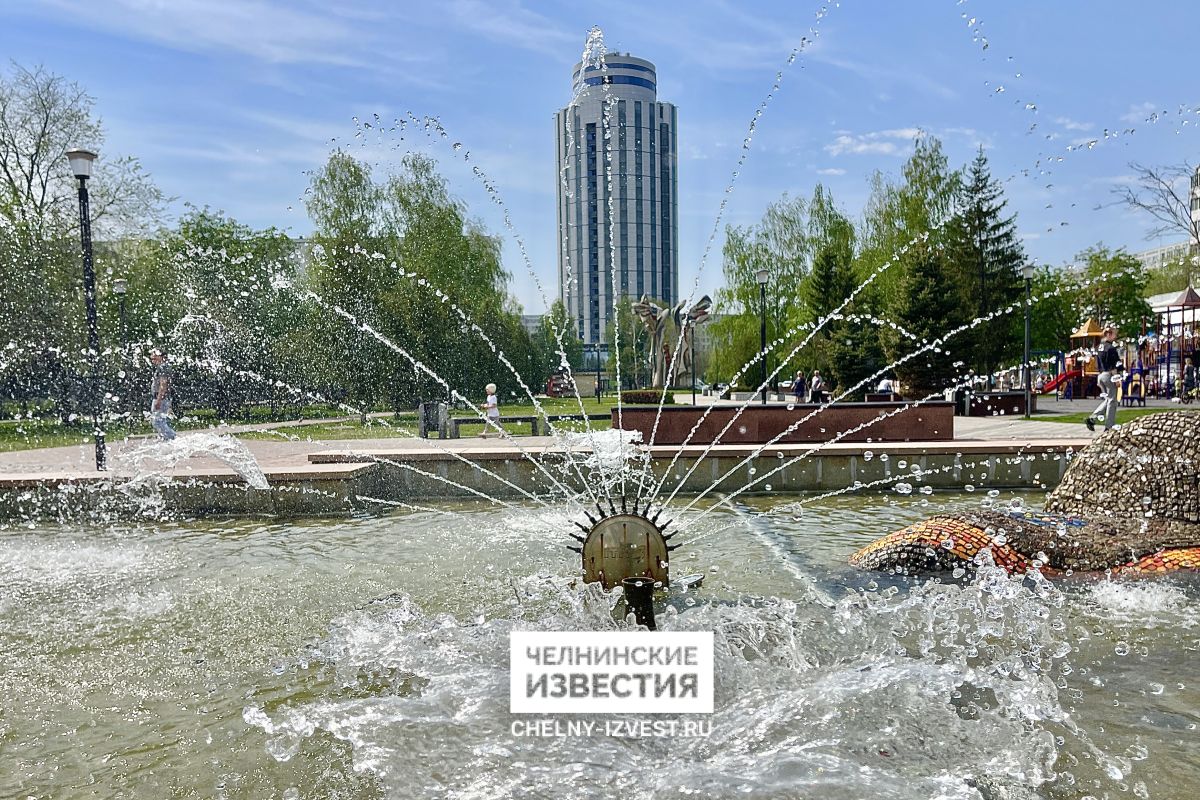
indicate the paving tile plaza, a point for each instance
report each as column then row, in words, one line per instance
column 280, row 456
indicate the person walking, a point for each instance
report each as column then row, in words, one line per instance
column 816, row 387
column 491, row 409
column 1189, row 381
column 1108, row 361
column 800, row 387
column 161, row 390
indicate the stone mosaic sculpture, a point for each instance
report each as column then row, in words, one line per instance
column 1130, row 503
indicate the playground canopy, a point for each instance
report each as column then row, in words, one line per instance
column 1088, row 330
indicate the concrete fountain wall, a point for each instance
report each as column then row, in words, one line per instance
column 337, row 481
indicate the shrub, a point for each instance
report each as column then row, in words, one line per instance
column 644, row 397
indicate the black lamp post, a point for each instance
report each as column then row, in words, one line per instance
column 761, row 277
column 81, row 168
column 1027, row 273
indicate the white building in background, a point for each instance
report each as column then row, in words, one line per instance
column 1194, row 198
column 531, row 322
column 640, row 241
column 1159, row 257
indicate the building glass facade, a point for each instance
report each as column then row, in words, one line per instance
column 635, row 236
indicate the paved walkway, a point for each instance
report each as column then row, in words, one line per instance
column 124, row 454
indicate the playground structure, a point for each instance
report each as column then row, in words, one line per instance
column 1167, row 348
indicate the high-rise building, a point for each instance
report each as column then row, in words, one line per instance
column 637, row 234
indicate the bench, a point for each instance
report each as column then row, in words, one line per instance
column 534, row 421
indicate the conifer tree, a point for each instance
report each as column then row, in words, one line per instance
column 986, row 257
column 930, row 310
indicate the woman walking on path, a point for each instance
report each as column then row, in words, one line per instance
column 161, row 390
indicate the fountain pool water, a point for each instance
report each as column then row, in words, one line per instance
column 367, row 657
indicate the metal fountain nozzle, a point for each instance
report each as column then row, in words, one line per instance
column 622, row 544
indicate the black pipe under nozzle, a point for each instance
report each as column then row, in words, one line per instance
column 639, row 598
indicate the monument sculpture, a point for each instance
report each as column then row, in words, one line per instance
column 663, row 328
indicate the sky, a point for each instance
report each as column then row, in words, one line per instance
column 231, row 103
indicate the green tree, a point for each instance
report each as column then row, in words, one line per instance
column 404, row 258
column 831, row 279
column 780, row 246
column 900, row 218
column 1115, row 289
column 1055, row 313
column 557, row 336
column 987, row 256
column 42, row 115
column 233, row 318
column 930, row 310
column 632, row 346
column 346, row 208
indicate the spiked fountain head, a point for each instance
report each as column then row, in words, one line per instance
column 623, row 544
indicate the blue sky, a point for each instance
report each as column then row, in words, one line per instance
column 229, row 102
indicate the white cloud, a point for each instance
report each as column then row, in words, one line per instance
column 1073, row 125
column 831, row 171
column 264, row 30
column 1139, row 113
column 886, row 143
column 514, row 26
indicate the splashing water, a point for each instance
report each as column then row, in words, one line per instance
column 152, row 462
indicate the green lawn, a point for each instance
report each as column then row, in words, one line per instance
column 36, row 433
column 405, row 427
column 1123, row 415
column 551, row 405
column 31, row 434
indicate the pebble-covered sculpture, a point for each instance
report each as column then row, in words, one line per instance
column 1130, row 503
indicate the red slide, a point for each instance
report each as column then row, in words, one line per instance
column 1054, row 384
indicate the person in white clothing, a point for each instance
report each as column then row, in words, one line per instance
column 491, row 409
column 816, row 387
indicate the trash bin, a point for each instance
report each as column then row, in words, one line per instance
column 429, row 419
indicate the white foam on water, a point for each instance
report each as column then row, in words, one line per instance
column 934, row 693
column 1146, row 603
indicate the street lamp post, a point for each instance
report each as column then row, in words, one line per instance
column 81, row 168
column 761, row 277
column 1027, row 273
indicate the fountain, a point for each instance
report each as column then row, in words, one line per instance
column 342, row 629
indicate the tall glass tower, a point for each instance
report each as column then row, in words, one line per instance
column 636, row 236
